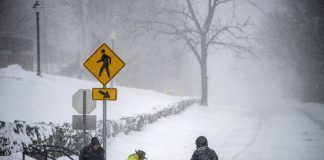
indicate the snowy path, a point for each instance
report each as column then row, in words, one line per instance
column 289, row 133
column 285, row 132
column 174, row 138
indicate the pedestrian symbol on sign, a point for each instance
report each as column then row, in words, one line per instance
column 104, row 64
column 106, row 61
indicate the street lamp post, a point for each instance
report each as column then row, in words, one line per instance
column 113, row 37
column 37, row 8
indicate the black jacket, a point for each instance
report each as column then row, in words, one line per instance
column 87, row 153
column 204, row 153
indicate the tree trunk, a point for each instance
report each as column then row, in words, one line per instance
column 204, row 84
column 204, row 77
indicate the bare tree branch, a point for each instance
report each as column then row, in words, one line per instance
column 257, row 6
column 173, row 30
column 209, row 18
column 193, row 49
column 211, row 13
column 239, row 49
column 193, row 15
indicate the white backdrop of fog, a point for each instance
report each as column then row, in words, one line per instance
column 72, row 30
column 245, row 80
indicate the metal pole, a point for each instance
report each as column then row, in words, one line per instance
column 84, row 117
column 38, row 45
column 104, row 126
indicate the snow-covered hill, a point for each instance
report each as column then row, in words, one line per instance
column 25, row 96
column 28, row 103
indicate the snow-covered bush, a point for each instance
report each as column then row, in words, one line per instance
column 15, row 136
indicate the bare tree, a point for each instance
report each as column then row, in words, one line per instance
column 195, row 23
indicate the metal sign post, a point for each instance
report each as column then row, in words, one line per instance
column 84, row 117
column 104, row 64
column 83, row 104
column 104, row 124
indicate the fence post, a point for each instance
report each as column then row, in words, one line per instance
column 23, row 155
column 45, row 153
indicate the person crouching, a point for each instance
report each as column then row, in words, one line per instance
column 93, row 151
column 138, row 155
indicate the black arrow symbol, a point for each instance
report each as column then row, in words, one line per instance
column 105, row 94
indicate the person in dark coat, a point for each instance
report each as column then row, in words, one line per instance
column 93, row 151
column 203, row 152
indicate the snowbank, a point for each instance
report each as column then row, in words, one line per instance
column 27, row 97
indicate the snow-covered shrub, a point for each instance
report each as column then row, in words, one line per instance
column 15, row 136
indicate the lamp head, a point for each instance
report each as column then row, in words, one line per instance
column 37, row 6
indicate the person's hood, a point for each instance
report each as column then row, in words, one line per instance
column 94, row 141
column 141, row 154
column 201, row 141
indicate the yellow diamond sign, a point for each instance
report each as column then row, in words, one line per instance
column 104, row 64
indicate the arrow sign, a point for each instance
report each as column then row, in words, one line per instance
column 104, row 94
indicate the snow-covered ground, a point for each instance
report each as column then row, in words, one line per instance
column 286, row 131
column 282, row 129
column 25, row 96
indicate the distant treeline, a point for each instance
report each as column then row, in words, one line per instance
column 296, row 36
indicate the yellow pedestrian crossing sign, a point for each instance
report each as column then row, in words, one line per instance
column 104, row 64
column 104, row 94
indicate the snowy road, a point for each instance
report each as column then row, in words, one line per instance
column 260, row 132
column 288, row 132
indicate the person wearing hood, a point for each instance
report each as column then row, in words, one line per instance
column 93, row 151
column 203, row 152
column 138, row 155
